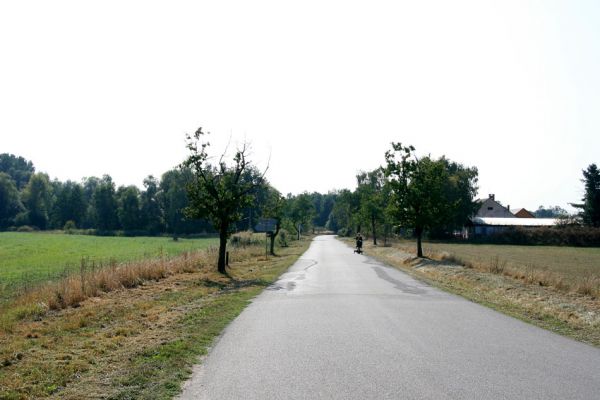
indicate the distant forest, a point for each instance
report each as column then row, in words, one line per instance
column 30, row 200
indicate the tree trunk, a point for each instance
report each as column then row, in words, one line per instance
column 385, row 235
column 373, row 229
column 298, row 230
column 273, row 236
column 222, row 248
column 419, row 233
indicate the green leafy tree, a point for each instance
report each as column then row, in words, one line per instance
column 77, row 204
column 371, row 195
column 219, row 192
column 344, row 218
column 273, row 207
column 68, row 204
column 590, row 208
column 173, row 200
column 254, row 211
column 128, row 200
column 37, row 199
column 459, row 191
column 323, row 206
column 172, row 196
column 550, row 212
column 152, row 218
column 89, row 188
column 104, row 204
column 428, row 194
column 18, row 168
column 300, row 212
column 10, row 203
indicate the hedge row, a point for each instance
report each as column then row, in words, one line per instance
column 553, row 236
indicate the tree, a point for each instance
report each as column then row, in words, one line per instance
column 37, row 200
column 344, row 216
column 371, row 197
column 10, row 204
column 89, row 188
column 69, row 204
column 254, row 211
column 300, row 212
column 18, row 168
column 550, row 212
column 219, row 192
column 273, row 207
column 590, row 208
column 323, row 205
column 104, row 204
column 337, row 215
column 459, row 191
column 128, row 199
column 173, row 200
column 428, row 193
column 151, row 213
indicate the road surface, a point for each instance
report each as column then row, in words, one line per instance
column 338, row 325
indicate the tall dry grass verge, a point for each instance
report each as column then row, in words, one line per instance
column 93, row 280
column 530, row 273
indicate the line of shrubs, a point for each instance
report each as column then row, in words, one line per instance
column 100, row 232
column 551, row 236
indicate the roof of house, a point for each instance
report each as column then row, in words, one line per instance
column 514, row 221
column 490, row 207
column 522, row 213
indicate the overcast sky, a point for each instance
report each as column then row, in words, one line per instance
column 111, row 87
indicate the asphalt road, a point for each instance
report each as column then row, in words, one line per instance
column 342, row 326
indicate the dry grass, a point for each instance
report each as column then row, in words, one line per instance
column 93, row 280
column 568, row 305
column 138, row 335
column 567, row 269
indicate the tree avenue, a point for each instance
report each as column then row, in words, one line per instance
column 219, row 192
column 428, row 194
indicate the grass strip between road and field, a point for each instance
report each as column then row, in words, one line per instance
column 570, row 310
column 136, row 343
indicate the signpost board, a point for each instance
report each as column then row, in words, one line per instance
column 268, row 226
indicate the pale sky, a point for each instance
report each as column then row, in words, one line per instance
column 511, row 87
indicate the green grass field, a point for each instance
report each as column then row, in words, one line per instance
column 27, row 259
column 571, row 263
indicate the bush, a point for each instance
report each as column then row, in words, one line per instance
column 343, row 232
column 282, row 238
column 69, row 226
column 243, row 239
column 26, row 228
column 22, row 219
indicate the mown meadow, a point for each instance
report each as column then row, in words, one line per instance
column 28, row 259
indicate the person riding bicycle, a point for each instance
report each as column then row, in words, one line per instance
column 359, row 243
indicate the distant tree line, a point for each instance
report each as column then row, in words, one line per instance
column 31, row 199
column 408, row 196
